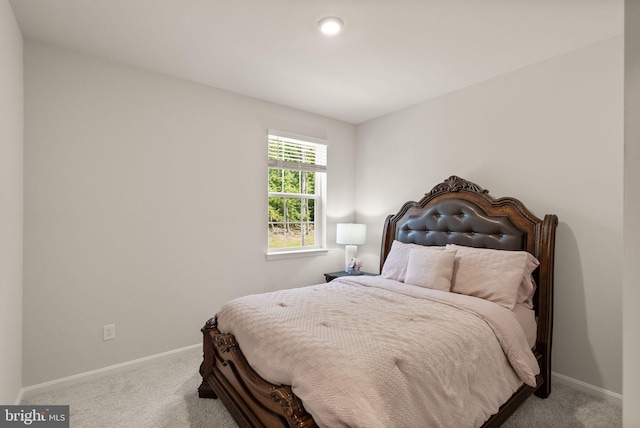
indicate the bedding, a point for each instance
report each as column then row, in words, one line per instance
column 527, row 319
column 430, row 267
column 503, row 277
column 395, row 266
column 416, row 356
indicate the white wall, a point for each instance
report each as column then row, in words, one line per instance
column 631, row 291
column 11, row 138
column 145, row 206
column 549, row 134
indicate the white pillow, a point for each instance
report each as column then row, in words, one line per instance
column 395, row 265
column 430, row 267
column 503, row 277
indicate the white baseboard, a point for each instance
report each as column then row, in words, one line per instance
column 595, row 391
column 69, row 380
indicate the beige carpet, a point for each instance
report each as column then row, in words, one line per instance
column 163, row 394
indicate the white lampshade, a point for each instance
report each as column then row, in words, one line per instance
column 351, row 234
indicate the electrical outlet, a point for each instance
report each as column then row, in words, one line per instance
column 109, row 331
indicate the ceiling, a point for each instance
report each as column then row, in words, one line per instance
column 391, row 54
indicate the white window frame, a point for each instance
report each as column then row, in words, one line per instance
column 320, row 193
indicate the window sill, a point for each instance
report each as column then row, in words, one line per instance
column 294, row 254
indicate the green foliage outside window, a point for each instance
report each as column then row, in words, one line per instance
column 291, row 215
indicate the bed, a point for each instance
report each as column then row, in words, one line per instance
column 456, row 217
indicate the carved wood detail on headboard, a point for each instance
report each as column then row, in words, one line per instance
column 454, row 184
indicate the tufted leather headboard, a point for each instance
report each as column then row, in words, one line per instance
column 458, row 211
column 458, row 221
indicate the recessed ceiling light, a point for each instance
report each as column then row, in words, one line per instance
column 330, row 25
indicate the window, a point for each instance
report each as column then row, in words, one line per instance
column 297, row 179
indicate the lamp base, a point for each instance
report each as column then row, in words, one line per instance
column 350, row 252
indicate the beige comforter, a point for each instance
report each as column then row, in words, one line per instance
column 373, row 352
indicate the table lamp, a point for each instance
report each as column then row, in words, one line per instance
column 351, row 235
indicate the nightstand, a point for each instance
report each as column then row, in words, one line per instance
column 333, row 275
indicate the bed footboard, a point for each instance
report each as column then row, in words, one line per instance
column 250, row 400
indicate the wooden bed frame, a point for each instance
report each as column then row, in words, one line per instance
column 455, row 211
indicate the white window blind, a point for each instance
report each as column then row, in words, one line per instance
column 290, row 153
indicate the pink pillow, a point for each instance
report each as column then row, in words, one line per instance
column 430, row 267
column 395, row 265
column 503, row 277
column 527, row 289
